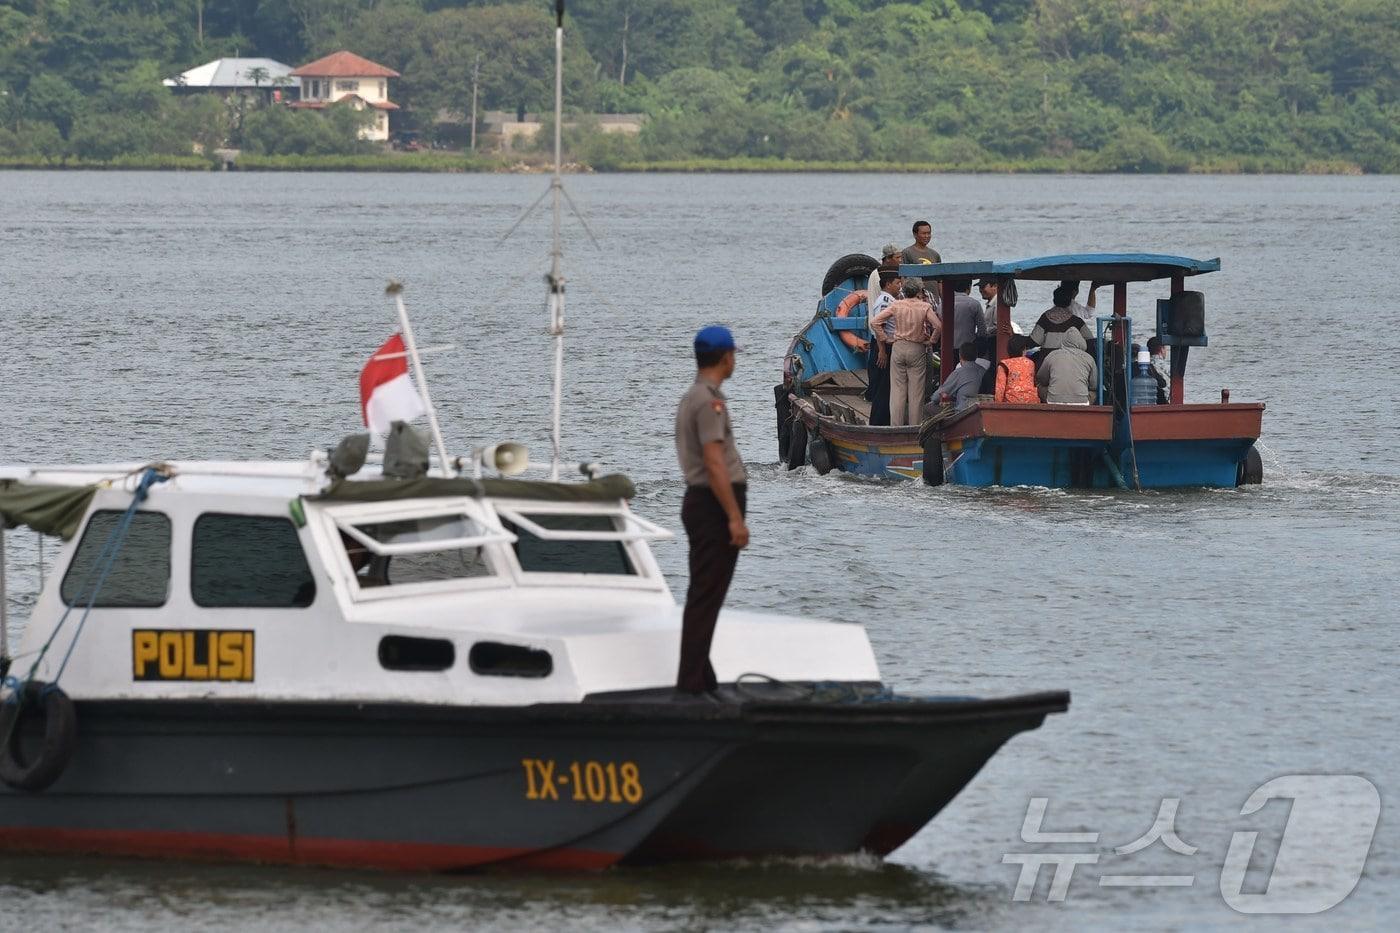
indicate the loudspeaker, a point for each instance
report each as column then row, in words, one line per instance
column 1188, row 315
column 507, row 459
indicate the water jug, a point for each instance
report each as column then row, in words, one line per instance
column 1144, row 386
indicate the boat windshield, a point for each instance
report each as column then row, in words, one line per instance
column 568, row 554
column 429, row 547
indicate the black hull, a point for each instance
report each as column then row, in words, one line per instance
column 577, row 786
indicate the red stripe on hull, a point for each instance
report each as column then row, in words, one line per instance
column 332, row 853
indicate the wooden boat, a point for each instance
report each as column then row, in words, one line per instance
column 824, row 417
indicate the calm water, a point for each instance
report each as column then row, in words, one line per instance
column 1213, row 640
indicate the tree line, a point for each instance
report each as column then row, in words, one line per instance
column 1111, row 85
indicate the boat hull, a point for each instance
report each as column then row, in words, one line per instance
column 1056, row 446
column 568, row 787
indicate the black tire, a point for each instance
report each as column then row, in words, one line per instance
column 784, row 407
column 933, row 461
column 1252, row 469
column 857, row 265
column 819, row 455
column 37, row 699
column 797, row 444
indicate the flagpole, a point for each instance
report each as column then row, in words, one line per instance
column 396, row 289
column 556, row 276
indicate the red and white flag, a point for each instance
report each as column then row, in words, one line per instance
column 386, row 389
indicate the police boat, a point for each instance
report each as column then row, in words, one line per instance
column 279, row 662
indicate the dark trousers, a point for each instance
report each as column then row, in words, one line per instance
column 712, row 560
column 878, row 392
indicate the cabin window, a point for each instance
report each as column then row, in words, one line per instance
column 567, row 554
column 497, row 659
column 404, row 653
column 140, row 573
column 347, row 86
column 425, row 549
column 249, row 561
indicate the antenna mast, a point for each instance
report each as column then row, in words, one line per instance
column 556, row 275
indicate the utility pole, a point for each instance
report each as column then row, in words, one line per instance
column 626, row 22
column 476, row 81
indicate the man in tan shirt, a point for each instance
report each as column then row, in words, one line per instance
column 712, row 511
column 915, row 329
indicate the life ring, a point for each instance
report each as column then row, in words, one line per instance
column 844, row 309
column 34, row 773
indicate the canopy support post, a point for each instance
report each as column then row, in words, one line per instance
column 1003, row 325
column 1178, row 364
column 947, row 353
column 4, row 610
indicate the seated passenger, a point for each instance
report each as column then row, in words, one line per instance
column 959, row 389
column 1065, row 317
column 1160, row 369
column 1016, row 375
column 1069, row 376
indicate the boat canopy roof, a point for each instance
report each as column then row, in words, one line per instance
column 1107, row 268
column 603, row 489
column 48, row 509
column 53, row 500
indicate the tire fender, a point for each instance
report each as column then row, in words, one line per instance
column 933, row 460
column 819, row 454
column 797, row 443
column 36, row 699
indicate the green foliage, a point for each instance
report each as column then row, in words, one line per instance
column 1107, row 85
column 284, row 131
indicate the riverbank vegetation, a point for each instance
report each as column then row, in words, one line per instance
column 737, row 85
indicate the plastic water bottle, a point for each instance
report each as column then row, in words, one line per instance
column 1144, row 386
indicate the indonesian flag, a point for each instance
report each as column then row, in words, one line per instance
column 386, row 390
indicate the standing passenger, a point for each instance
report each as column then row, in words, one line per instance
column 713, row 508
column 877, row 359
column 1049, row 331
column 914, row 327
column 920, row 251
column 969, row 324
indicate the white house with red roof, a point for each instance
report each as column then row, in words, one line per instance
column 346, row 76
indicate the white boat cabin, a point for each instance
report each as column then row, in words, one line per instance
column 268, row 580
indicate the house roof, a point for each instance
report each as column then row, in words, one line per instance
column 344, row 64
column 233, row 73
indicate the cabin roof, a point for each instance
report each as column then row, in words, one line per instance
column 52, row 499
column 1107, row 268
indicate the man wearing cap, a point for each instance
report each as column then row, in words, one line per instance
column 713, row 508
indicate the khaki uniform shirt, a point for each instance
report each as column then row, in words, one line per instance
column 703, row 416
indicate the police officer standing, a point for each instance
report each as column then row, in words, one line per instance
column 713, row 508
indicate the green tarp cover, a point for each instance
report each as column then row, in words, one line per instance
column 604, row 489
column 49, row 510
